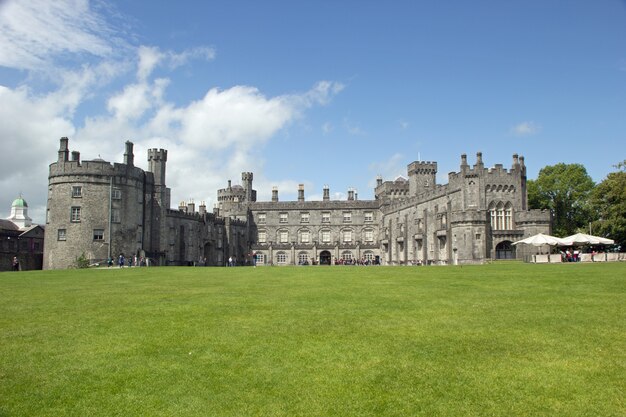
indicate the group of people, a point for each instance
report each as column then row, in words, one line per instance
column 130, row 261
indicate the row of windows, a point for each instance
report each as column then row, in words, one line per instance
column 77, row 192
column 501, row 216
column 304, row 236
column 98, row 234
column 303, row 257
column 76, row 212
column 305, row 217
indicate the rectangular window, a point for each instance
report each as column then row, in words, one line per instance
column 304, row 217
column 347, row 235
column 369, row 236
column 262, row 218
column 98, row 234
column 347, row 216
column 283, row 236
column 281, row 258
column 305, row 237
column 326, row 217
column 115, row 216
column 77, row 191
column 47, row 216
column 262, row 237
column 61, row 234
column 368, row 216
column 116, row 194
column 75, row 215
column 326, row 236
column 283, row 217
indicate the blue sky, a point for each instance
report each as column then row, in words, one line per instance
column 313, row 92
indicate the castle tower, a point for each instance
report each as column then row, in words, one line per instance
column 422, row 177
column 156, row 161
column 246, row 180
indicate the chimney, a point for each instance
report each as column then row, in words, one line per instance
column 191, row 207
column 202, row 208
column 76, row 156
column 300, row 192
column 274, row 194
column 326, row 192
column 515, row 161
column 479, row 160
column 229, row 184
column 379, row 181
column 129, row 158
column 463, row 161
column 64, row 150
column 182, row 207
column 351, row 194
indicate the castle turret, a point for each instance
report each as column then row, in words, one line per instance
column 479, row 161
column 157, row 159
column 246, row 180
column 422, row 176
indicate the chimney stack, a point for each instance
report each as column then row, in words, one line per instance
column 326, row 192
column 300, row 192
column 274, row 194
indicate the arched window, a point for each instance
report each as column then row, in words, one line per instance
column 346, row 255
column 501, row 216
column 303, row 258
column 260, row 258
column 281, row 258
column 283, row 236
column 304, row 236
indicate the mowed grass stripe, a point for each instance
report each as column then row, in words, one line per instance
column 500, row 339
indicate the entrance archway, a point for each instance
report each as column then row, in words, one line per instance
column 504, row 250
column 325, row 257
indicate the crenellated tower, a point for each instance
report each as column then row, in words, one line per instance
column 422, row 177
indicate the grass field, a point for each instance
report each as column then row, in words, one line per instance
column 506, row 339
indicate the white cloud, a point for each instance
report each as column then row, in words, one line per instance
column 389, row 169
column 525, row 129
column 33, row 33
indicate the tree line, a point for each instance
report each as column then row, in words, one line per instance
column 580, row 205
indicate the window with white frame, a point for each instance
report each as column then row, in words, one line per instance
column 368, row 256
column 283, row 236
column 75, row 214
column 303, row 258
column 347, row 216
column 260, row 258
column 346, row 256
column 304, row 217
column 98, row 234
column 501, row 216
column 346, row 235
column 62, row 234
column 368, row 216
column 281, row 258
column 262, row 218
column 305, row 236
column 262, row 236
column 283, row 218
column 368, row 235
column 77, row 191
column 326, row 217
column 116, row 194
column 325, row 236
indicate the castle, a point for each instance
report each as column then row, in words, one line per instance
column 102, row 210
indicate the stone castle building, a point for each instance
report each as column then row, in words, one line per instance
column 103, row 209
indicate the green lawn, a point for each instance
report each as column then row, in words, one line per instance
column 506, row 339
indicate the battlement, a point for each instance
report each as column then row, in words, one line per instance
column 155, row 154
column 422, row 167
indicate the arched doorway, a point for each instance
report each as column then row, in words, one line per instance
column 504, row 250
column 325, row 257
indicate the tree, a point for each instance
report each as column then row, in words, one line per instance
column 608, row 200
column 564, row 189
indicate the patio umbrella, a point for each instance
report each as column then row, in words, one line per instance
column 583, row 239
column 540, row 240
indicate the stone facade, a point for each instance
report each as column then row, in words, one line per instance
column 103, row 209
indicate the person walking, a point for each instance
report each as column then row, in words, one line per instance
column 16, row 264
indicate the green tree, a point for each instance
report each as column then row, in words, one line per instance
column 565, row 189
column 608, row 200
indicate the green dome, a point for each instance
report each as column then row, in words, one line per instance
column 19, row 202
